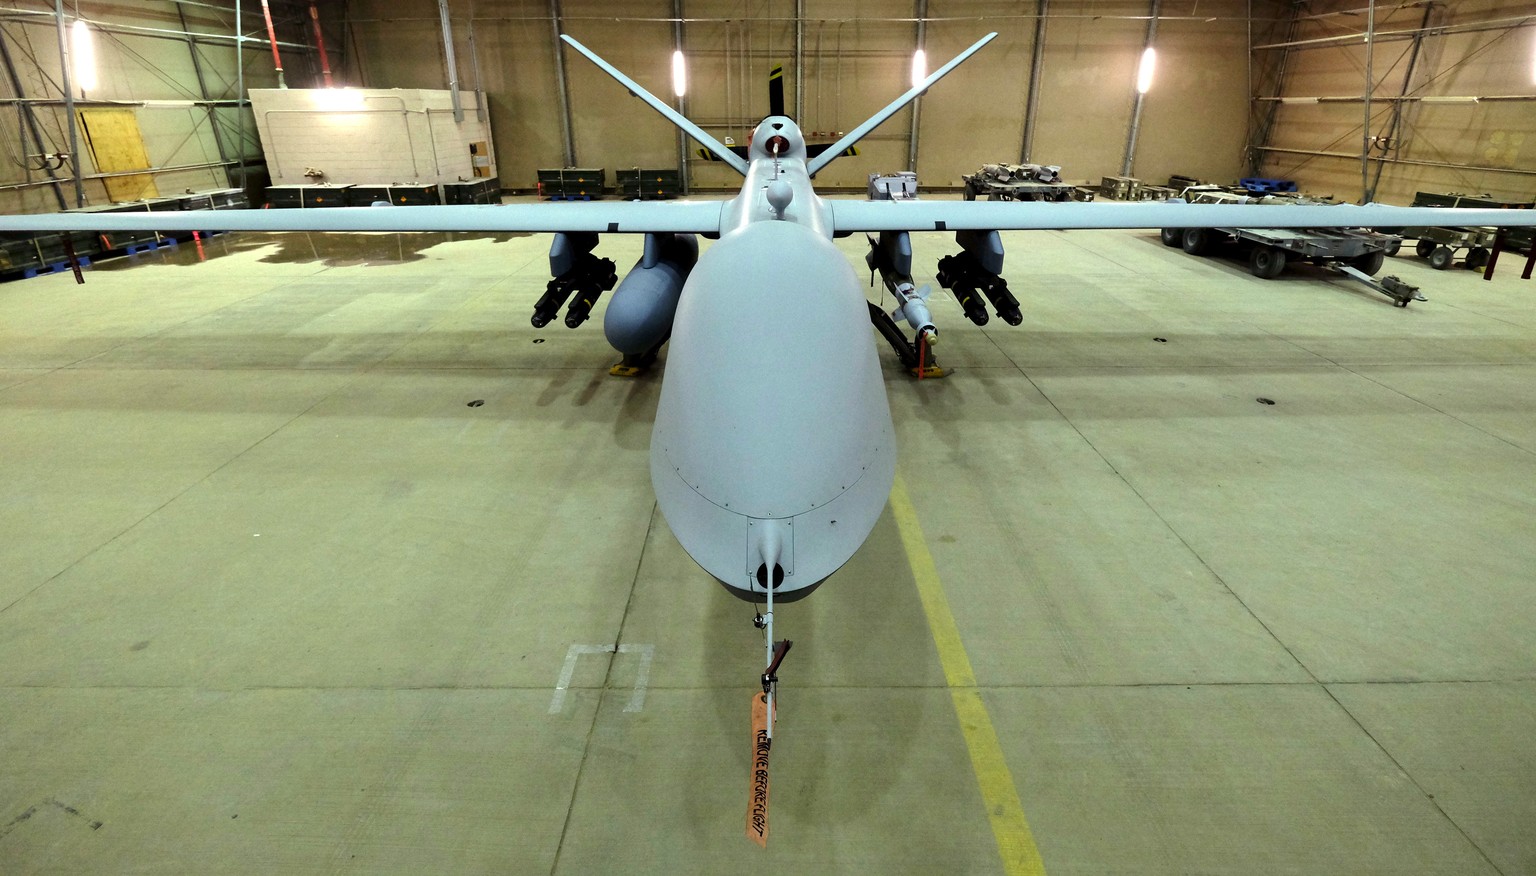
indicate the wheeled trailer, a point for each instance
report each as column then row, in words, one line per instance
column 1355, row 253
column 1440, row 245
column 1018, row 182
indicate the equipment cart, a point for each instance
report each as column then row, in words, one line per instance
column 1440, row 245
column 1018, row 182
column 1356, row 253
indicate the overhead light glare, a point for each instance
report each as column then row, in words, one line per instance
column 679, row 74
column 1144, row 71
column 82, row 47
column 919, row 67
column 338, row 100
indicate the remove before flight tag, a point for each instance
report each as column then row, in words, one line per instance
column 757, row 800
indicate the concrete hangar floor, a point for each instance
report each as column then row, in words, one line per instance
column 276, row 599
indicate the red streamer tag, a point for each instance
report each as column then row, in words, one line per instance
column 757, row 800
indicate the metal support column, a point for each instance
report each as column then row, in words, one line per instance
column 682, row 100
column 1042, row 7
column 474, row 62
column 560, row 84
column 69, row 103
column 29, row 121
column 1130, row 140
column 277, row 60
column 1370, row 85
column 240, row 97
column 1266, row 125
column 800, row 62
column 202, row 89
column 917, row 102
column 1395, row 126
column 451, row 60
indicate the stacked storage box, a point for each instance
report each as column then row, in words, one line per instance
column 572, row 182
column 1121, row 188
column 218, row 199
column 480, row 191
column 124, row 239
column 413, row 195
column 26, row 251
column 307, row 196
column 636, row 183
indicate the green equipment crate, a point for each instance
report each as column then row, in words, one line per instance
column 217, row 199
column 414, row 195
column 26, row 250
column 475, row 191
column 114, row 240
column 1518, row 239
column 637, row 183
column 307, row 196
column 571, row 182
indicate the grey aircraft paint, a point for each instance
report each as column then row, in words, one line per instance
column 773, row 443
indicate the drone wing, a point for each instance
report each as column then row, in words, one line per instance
column 699, row 217
column 851, row 216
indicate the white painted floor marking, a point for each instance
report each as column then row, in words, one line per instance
column 568, row 671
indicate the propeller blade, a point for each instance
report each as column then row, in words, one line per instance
column 776, row 91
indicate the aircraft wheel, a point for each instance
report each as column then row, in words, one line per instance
column 1440, row 259
column 1369, row 263
column 1172, row 236
column 1196, row 241
column 1424, row 248
column 1477, row 258
column 1266, row 262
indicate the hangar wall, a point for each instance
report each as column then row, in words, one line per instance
column 148, row 85
column 1471, row 48
column 856, row 57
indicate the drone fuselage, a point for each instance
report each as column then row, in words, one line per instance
column 773, row 442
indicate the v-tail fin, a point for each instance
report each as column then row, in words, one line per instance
column 672, row 115
column 841, row 146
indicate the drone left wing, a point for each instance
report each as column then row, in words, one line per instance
column 849, row 216
column 699, row 217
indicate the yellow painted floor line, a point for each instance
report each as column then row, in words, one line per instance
column 1015, row 841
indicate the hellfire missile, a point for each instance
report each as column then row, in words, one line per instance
column 890, row 256
column 976, row 272
column 576, row 270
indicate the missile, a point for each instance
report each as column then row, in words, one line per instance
column 976, row 272
column 957, row 274
column 576, row 271
column 890, row 255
